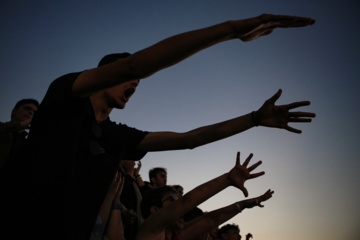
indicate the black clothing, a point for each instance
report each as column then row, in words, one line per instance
column 69, row 163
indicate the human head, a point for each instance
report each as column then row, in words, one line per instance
column 117, row 96
column 179, row 190
column 24, row 109
column 229, row 232
column 158, row 177
column 155, row 199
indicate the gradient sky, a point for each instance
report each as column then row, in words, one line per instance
column 315, row 175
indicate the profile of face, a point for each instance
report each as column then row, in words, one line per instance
column 160, row 179
column 179, row 192
column 118, row 96
column 24, row 112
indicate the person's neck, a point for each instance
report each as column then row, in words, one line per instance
column 100, row 107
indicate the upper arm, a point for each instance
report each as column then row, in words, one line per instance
column 106, row 76
column 163, row 141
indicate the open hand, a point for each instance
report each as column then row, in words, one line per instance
column 270, row 115
column 253, row 28
column 250, row 203
column 240, row 173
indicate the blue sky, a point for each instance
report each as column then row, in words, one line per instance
column 315, row 175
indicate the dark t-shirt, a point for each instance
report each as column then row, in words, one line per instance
column 68, row 164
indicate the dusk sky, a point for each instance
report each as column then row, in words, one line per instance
column 315, row 175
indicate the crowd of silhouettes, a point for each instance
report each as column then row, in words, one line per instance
column 74, row 175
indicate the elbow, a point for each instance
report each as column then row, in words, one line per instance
column 139, row 69
column 192, row 143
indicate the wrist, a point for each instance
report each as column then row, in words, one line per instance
column 116, row 207
column 239, row 207
column 254, row 118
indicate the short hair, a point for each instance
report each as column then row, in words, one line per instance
column 177, row 187
column 153, row 197
column 155, row 171
column 112, row 58
column 224, row 229
column 26, row 101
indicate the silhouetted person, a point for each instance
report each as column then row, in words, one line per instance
column 158, row 177
column 73, row 149
column 13, row 134
column 229, row 232
column 248, row 236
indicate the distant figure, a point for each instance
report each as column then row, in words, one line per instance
column 13, row 134
column 73, row 148
column 158, row 177
column 248, row 236
column 230, row 232
column 179, row 190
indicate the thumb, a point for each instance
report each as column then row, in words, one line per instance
column 274, row 98
column 244, row 190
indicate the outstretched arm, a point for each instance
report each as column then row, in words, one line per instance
column 172, row 50
column 215, row 218
column 268, row 115
column 14, row 126
column 237, row 176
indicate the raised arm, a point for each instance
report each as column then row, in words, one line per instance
column 172, row 50
column 14, row 126
column 217, row 217
column 169, row 213
column 268, row 115
column 115, row 228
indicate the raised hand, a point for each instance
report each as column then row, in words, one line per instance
column 270, row 115
column 253, row 28
column 240, row 173
column 137, row 169
column 250, row 203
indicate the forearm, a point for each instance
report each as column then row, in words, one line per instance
column 203, row 192
column 158, row 220
column 209, row 221
column 115, row 229
column 164, row 141
column 221, row 215
column 175, row 49
column 105, row 208
column 150, row 60
column 215, row 132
